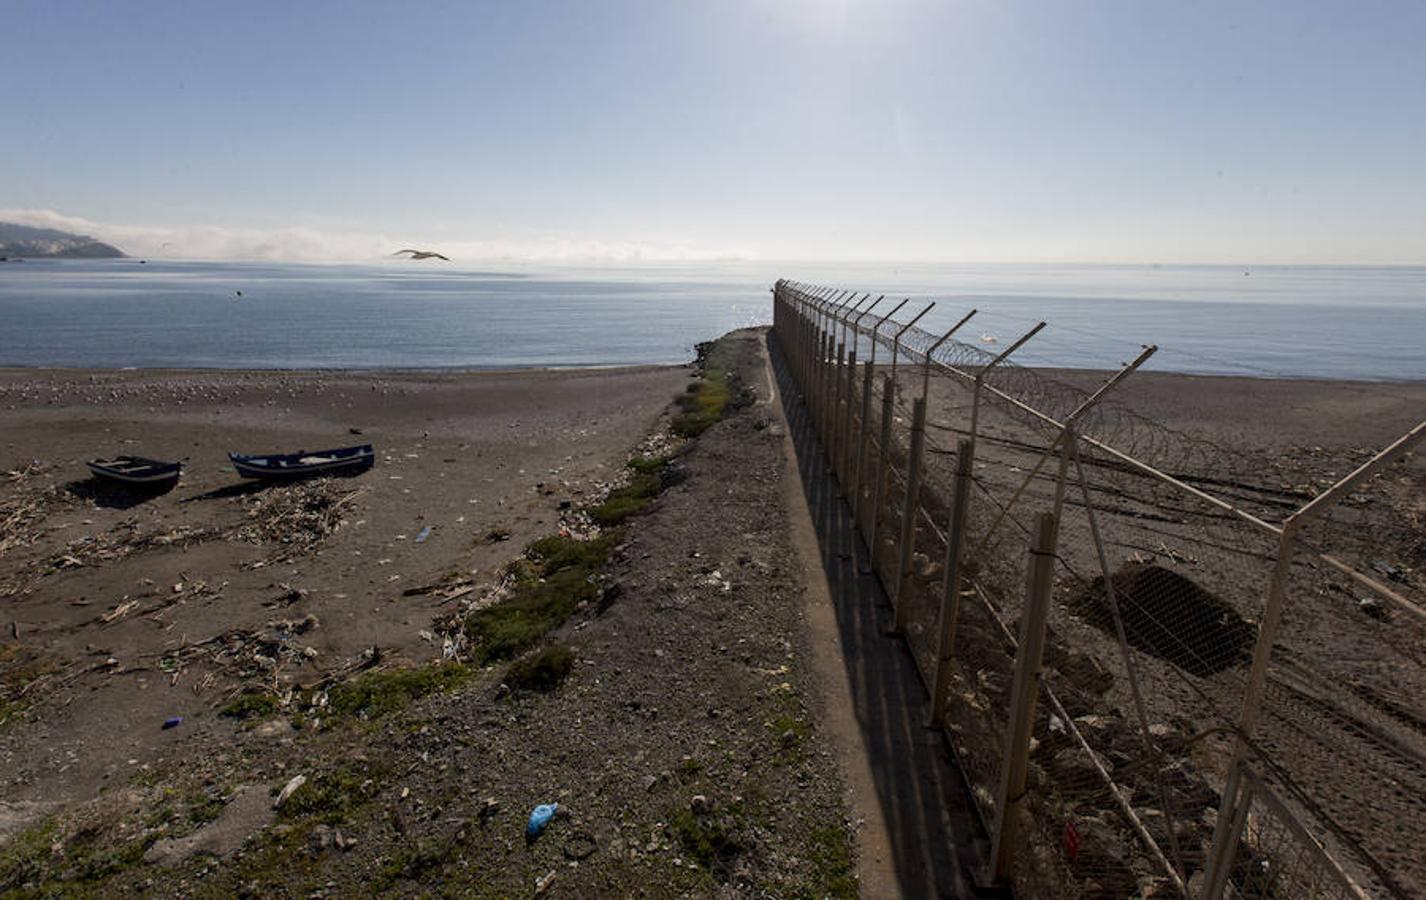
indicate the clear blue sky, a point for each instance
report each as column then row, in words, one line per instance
column 880, row 129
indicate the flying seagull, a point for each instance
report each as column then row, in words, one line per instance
column 422, row 254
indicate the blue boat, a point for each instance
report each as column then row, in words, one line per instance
column 304, row 464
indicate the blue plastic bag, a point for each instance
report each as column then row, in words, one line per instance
column 539, row 818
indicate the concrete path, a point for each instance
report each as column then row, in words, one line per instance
column 920, row 836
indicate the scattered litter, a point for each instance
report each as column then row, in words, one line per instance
column 543, row 884
column 424, row 533
column 539, row 818
column 119, row 612
column 1374, row 608
column 300, row 516
column 173, row 722
column 291, row 788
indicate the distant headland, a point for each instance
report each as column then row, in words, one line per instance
column 22, row 241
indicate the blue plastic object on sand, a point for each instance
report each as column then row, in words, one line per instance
column 539, row 818
column 173, row 722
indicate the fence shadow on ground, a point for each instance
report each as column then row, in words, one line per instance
column 938, row 842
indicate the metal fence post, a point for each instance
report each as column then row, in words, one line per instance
column 808, row 318
column 1230, row 815
column 883, row 460
column 1024, row 692
column 834, row 434
column 864, row 429
column 951, row 586
column 845, row 426
column 908, row 512
column 863, row 435
column 823, row 378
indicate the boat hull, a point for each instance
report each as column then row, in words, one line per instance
column 137, row 471
column 286, row 466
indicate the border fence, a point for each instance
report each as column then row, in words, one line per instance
column 1167, row 667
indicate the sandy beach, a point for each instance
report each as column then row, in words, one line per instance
column 122, row 613
column 96, row 586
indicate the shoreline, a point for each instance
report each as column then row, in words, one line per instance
column 1060, row 373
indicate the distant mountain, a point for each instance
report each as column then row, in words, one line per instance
column 18, row 241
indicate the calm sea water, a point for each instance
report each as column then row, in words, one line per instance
column 1367, row 323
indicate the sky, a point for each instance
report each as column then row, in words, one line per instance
column 954, row 130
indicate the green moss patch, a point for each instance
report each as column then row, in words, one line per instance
column 378, row 693
column 628, row 500
column 250, row 705
column 830, row 853
column 20, row 667
column 704, row 406
column 648, row 465
column 543, row 671
column 30, row 867
column 706, row 401
column 712, row 841
column 27, row 858
column 333, row 795
column 416, row 862
column 559, row 577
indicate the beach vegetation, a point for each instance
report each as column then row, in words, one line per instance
column 330, row 797
column 648, row 465
column 46, row 861
column 21, row 668
column 830, row 852
column 706, row 401
column 559, row 576
column 632, row 498
column 415, row 862
column 713, row 842
column 250, row 705
column 543, row 671
column 377, row 693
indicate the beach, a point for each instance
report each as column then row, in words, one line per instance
column 97, row 586
column 243, row 692
column 133, row 625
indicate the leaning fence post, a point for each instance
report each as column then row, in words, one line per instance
column 883, row 461
column 1024, row 691
column 1229, row 825
column 908, row 512
column 951, row 587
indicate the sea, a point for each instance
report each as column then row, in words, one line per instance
column 1270, row 321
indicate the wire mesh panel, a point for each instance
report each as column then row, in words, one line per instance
column 1181, row 658
column 1343, row 724
column 1275, row 856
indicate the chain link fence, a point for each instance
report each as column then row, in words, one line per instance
column 1166, row 666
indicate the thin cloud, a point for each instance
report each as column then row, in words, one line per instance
column 306, row 244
